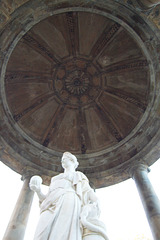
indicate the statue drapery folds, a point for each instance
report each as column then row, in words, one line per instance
column 62, row 208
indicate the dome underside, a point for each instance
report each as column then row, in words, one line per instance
column 77, row 81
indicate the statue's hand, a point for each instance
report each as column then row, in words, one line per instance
column 35, row 188
column 35, row 183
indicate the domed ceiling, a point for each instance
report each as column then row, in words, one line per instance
column 79, row 77
column 77, row 81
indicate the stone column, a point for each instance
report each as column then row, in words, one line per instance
column 17, row 225
column 149, row 198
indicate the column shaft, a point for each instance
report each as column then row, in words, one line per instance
column 17, row 225
column 149, row 199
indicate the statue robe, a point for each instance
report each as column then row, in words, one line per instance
column 60, row 210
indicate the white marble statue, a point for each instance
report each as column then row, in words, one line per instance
column 62, row 207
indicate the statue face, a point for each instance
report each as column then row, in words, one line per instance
column 66, row 161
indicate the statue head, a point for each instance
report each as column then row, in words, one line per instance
column 71, row 157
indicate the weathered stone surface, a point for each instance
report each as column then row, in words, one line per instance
column 112, row 120
column 17, row 225
column 148, row 196
column 83, row 81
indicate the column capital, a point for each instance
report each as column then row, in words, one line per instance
column 138, row 167
column 28, row 172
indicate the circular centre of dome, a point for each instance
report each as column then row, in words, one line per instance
column 77, row 82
